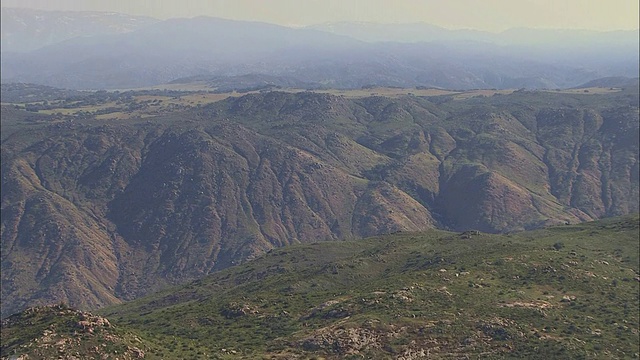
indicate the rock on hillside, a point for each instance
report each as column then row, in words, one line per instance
column 59, row 332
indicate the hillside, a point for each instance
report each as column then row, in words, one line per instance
column 569, row 291
column 100, row 210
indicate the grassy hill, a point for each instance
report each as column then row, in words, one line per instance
column 562, row 292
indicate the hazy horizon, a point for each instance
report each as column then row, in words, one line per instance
column 488, row 15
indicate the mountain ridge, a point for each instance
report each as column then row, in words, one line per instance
column 113, row 210
column 157, row 54
column 25, row 29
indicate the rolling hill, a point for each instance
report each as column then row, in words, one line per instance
column 561, row 292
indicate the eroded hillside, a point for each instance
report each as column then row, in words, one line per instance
column 97, row 211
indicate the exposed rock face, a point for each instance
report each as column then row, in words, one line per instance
column 96, row 213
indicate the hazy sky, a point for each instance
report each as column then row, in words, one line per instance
column 491, row 15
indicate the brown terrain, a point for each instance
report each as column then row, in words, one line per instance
column 95, row 212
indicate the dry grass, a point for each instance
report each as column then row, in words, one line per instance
column 384, row 91
column 202, row 96
column 475, row 93
column 591, row 90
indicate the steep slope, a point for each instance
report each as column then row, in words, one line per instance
column 92, row 227
column 97, row 212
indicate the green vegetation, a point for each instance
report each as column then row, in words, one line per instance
column 562, row 292
column 519, row 296
column 168, row 98
column 58, row 331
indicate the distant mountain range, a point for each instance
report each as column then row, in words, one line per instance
column 128, row 52
column 612, row 82
column 423, row 32
column 24, row 30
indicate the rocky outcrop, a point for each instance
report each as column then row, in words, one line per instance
column 60, row 332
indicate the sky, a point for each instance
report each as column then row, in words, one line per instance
column 487, row 15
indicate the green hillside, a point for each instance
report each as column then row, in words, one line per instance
column 563, row 292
